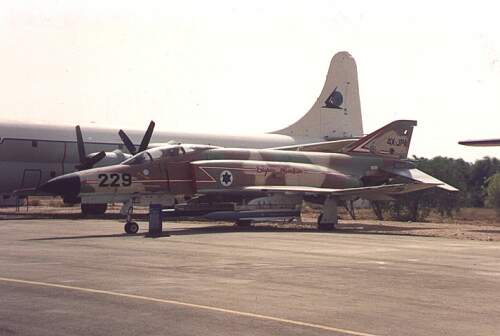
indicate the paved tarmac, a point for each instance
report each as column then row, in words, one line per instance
column 84, row 277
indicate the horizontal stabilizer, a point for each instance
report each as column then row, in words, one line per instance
column 481, row 143
column 334, row 146
column 387, row 189
column 419, row 176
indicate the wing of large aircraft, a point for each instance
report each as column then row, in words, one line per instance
column 481, row 143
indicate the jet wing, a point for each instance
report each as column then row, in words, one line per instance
column 419, row 176
column 334, row 146
column 386, row 189
column 481, row 143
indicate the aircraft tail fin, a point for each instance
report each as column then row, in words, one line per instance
column 392, row 141
column 336, row 114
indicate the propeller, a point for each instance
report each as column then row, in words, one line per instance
column 86, row 161
column 144, row 143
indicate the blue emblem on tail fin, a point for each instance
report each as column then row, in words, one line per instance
column 334, row 100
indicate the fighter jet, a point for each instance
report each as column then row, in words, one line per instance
column 201, row 174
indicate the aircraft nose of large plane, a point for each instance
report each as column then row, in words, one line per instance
column 63, row 185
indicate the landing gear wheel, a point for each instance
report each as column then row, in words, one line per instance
column 325, row 226
column 131, row 227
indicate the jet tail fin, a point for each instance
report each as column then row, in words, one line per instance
column 392, row 141
column 336, row 114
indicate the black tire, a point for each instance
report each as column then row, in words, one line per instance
column 131, row 227
column 94, row 209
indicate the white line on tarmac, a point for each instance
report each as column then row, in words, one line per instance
column 190, row 305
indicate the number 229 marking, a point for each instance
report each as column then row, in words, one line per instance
column 115, row 180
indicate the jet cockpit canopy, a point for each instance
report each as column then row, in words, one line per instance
column 165, row 152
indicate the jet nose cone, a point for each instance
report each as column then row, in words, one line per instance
column 63, row 185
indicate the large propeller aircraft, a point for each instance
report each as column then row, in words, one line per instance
column 374, row 167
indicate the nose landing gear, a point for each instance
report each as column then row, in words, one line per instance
column 131, row 227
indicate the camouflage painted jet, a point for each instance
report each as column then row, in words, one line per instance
column 200, row 174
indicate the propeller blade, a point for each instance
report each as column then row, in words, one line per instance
column 127, row 142
column 81, row 146
column 92, row 160
column 147, row 137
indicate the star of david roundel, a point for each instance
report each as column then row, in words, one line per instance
column 226, row 178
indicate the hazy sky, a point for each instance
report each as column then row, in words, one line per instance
column 253, row 66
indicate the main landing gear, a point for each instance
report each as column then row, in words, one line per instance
column 328, row 219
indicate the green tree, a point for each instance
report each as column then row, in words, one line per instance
column 480, row 172
column 493, row 192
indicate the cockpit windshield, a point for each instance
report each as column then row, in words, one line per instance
column 168, row 151
column 139, row 158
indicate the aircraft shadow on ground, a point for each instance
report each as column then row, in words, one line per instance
column 342, row 228
column 363, row 229
column 70, row 216
column 115, row 235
